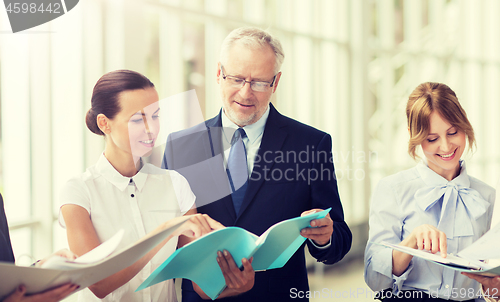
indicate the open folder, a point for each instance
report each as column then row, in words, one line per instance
column 196, row 261
column 86, row 270
column 470, row 260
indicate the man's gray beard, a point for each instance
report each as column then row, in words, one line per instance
column 244, row 122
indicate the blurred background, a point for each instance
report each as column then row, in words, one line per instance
column 349, row 68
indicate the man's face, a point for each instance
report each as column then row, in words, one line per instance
column 243, row 106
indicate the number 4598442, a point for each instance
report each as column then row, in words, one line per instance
column 32, row 8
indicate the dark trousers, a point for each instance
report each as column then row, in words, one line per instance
column 410, row 296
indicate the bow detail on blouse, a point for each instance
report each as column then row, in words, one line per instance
column 460, row 206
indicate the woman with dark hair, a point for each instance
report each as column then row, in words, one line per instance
column 122, row 192
column 6, row 255
column 434, row 206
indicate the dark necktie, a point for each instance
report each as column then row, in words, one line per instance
column 237, row 169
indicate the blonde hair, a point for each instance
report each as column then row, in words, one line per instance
column 423, row 101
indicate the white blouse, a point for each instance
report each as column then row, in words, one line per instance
column 136, row 204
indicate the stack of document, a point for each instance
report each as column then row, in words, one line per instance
column 99, row 263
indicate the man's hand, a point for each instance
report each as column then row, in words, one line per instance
column 236, row 280
column 321, row 229
column 491, row 285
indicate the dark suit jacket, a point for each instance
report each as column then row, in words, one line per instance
column 293, row 172
column 6, row 254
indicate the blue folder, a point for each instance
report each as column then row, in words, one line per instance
column 196, row 261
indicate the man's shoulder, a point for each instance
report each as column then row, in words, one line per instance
column 298, row 128
column 194, row 135
column 191, row 131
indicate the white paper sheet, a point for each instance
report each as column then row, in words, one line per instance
column 38, row 279
column 450, row 259
column 486, row 247
column 97, row 254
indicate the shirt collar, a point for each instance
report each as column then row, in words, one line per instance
column 140, row 177
column 253, row 131
column 109, row 172
column 431, row 178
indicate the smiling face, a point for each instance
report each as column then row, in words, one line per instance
column 244, row 106
column 134, row 129
column 443, row 147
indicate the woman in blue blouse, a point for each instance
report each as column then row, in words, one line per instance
column 434, row 206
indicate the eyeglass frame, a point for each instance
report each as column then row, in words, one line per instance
column 271, row 84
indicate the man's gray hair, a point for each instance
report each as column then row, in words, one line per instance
column 255, row 38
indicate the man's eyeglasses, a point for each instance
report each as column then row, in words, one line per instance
column 239, row 82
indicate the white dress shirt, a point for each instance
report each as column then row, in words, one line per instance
column 461, row 208
column 136, row 204
column 252, row 141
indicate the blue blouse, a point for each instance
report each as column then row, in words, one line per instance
column 461, row 208
column 6, row 254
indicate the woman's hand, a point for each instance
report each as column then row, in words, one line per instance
column 197, row 226
column 491, row 285
column 53, row 295
column 61, row 253
column 427, row 237
column 424, row 237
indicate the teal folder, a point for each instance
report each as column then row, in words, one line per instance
column 196, row 261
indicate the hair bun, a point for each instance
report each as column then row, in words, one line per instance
column 91, row 121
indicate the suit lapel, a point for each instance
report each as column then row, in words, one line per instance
column 214, row 128
column 272, row 141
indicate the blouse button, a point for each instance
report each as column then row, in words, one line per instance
column 131, row 195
